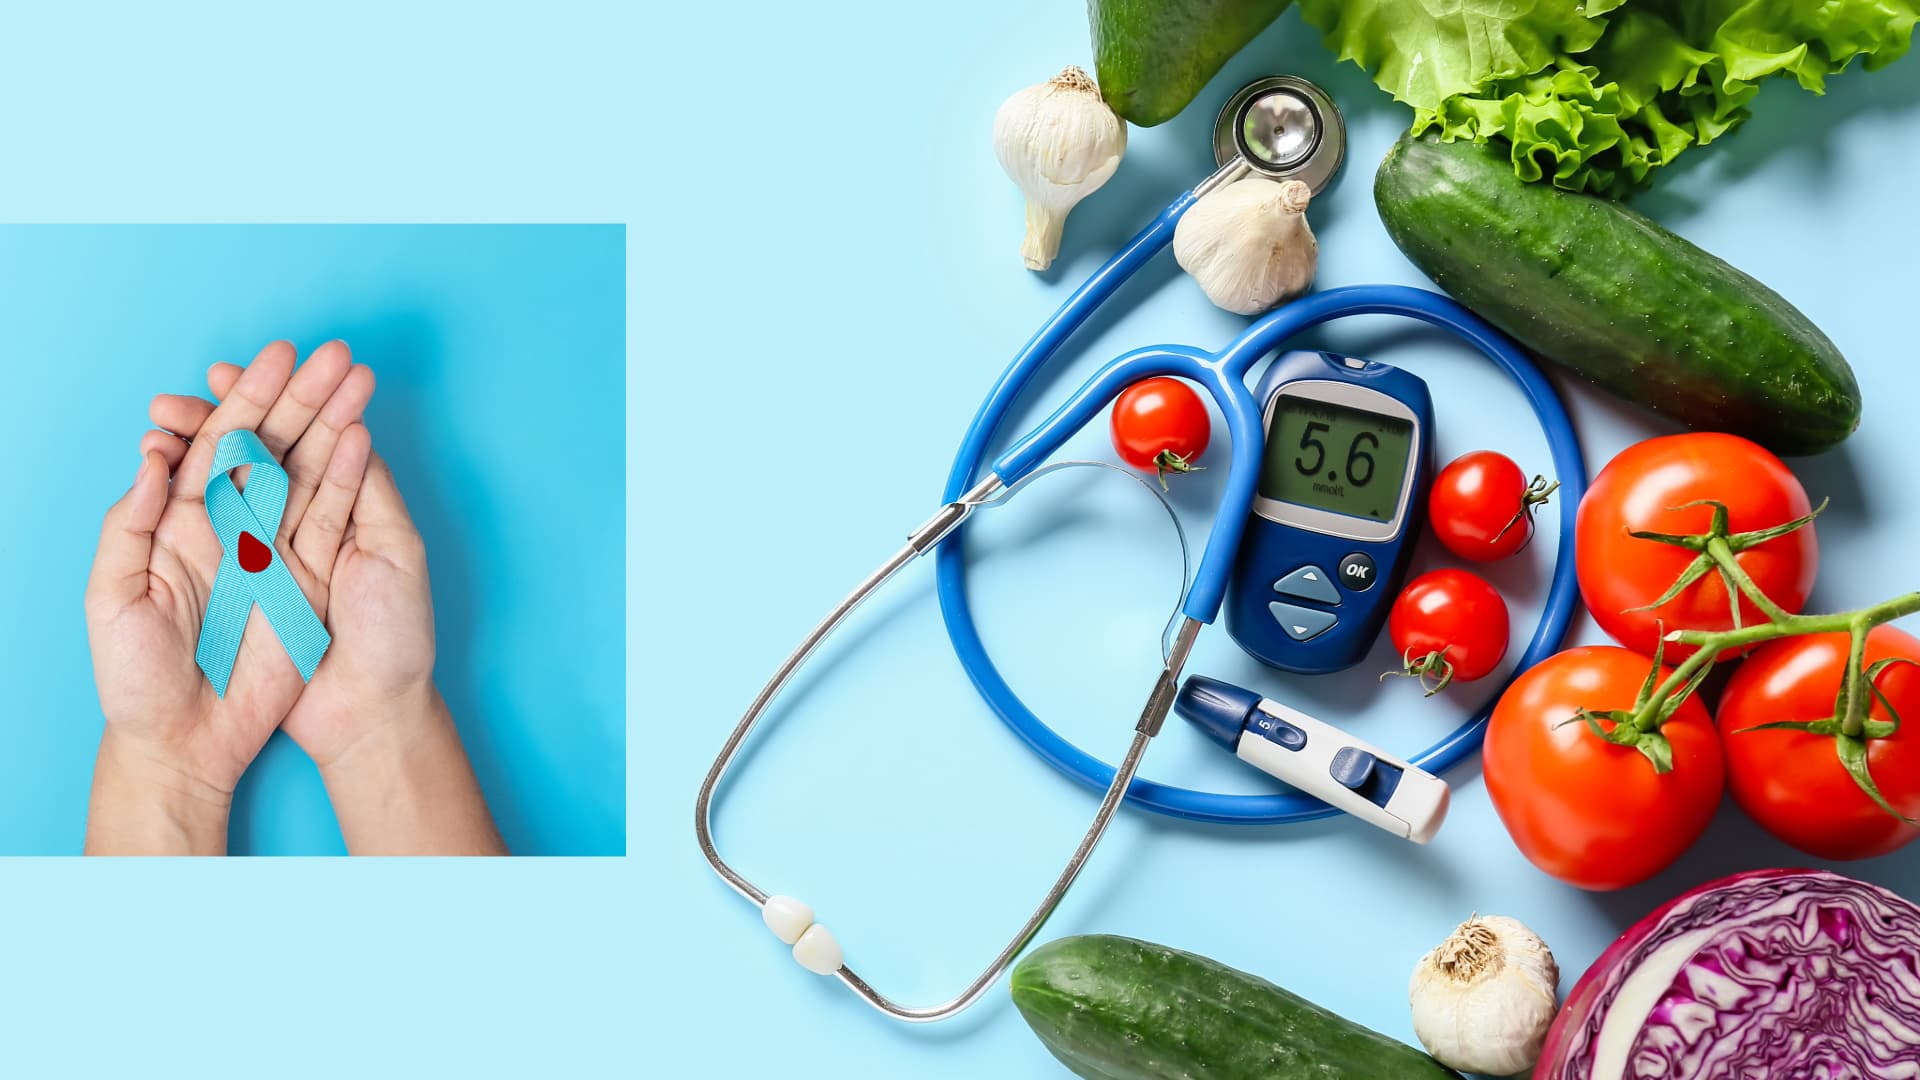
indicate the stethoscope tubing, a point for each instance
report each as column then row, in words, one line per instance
column 1223, row 376
column 1257, row 341
column 1222, row 381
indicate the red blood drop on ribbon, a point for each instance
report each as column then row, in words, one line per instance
column 254, row 555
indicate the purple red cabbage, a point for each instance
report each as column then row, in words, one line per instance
column 1775, row 975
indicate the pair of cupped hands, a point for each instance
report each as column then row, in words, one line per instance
column 371, row 719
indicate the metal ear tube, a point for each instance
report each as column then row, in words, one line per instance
column 792, row 921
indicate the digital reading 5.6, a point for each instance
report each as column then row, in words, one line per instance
column 1335, row 458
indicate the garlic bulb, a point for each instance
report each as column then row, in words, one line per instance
column 1059, row 142
column 1483, row 1000
column 1248, row 244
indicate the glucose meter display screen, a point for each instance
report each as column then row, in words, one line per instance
column 1331, row 457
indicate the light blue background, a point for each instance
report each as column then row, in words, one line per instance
column 853, row 298
column 509, row 488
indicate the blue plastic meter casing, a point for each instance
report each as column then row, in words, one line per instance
column 1311, row 586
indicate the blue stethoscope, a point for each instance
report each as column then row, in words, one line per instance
column 1248, row 138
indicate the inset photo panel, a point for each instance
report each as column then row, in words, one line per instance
column 315, row 540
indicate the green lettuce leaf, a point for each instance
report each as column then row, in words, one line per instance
column 1597, row 97
column 1425, row 51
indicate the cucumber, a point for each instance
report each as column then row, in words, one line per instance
column 1602, row 291
column 1112, row 1008
column 1151, row 57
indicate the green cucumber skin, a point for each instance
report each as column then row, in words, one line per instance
column 1608, row 294
column 1151, row 57
column 1113, row 1008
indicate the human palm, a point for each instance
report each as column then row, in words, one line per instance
column 173, row 750
column 382, row 624
column 159, row 556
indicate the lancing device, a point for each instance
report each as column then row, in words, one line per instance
column 1317, row 758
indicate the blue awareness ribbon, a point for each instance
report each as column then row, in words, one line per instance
column 251, row 571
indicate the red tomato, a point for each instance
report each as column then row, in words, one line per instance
column 1590, row 812
column 1792, row 782
column 1160, row 425
column 1454, row 615
column 1644, row 488
column 1481, row 506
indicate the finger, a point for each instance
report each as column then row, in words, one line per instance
column 119, row 574
column 379, row 507
column 182, row 414
column 318, row 540
column 171, row 448
column 307, row 462
column 221, row 377
column 312, row 384
column 253, row 393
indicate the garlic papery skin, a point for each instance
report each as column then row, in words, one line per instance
column 1059, row 142
column 1483, row 1001
column 1248, row 244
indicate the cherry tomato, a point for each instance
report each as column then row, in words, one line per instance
column 1481, row 506
column 1160, row 425
column 1791, row 781
column 1591, row 812
column 1644, row 488
column 1448, row 624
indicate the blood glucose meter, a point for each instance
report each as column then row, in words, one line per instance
column 1348, row 452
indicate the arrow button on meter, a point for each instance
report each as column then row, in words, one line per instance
column 1301, row 623
column 1308, row 583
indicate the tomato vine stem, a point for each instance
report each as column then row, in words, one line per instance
column 1434, row 670
column 1849, row 725
column 1538, row 491
column 1167, row 461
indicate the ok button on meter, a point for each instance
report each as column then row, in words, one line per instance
column 1356, row 572
column 1343, row 477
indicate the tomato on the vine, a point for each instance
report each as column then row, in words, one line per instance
column 1160, row 426
column 1791, row 781
column 1481, row 506
column 1591, row 812
column 1448, row 624
column 1659, row 486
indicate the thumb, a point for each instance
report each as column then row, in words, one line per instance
column 126, row 537
column 381, row 525
column 379, row 506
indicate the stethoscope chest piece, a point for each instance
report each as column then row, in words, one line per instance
column 1283, row 127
